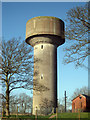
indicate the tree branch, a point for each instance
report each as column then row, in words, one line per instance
column 18, row 87
column 17, row 81
column 2, row 95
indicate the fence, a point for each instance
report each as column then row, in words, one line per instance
column 43, row 112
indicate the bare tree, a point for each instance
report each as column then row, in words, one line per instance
column 77, row 28
column 16, row 67
column 23, row 102
column 61, row 107
column 78, row 91
column 2, row 104
column 46, row 106
column 61, row 104
column 13, row 104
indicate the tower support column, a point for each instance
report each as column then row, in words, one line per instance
column 45, row 34
column 45, row 68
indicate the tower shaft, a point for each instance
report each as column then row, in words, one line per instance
column 45, row 68
column 45, row 34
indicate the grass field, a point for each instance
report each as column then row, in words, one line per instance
column 61, row 116
column 73, row 115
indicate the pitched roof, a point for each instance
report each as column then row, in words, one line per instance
column 87, row 96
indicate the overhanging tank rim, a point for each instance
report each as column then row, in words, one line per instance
column 28, row 38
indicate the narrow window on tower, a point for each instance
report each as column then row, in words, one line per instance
column 41, row 46
column 41, row 76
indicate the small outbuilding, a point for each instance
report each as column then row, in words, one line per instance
column 82, row 103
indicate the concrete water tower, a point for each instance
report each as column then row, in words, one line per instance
column 45, row 34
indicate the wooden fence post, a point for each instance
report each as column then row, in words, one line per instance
column 2, row 111
column 17, row 109
column 56, row 113
column 36, row 114
column 79, row 114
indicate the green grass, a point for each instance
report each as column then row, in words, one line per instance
column 72, row 115
column 61, row 116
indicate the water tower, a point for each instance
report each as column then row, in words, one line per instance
column 45, row 34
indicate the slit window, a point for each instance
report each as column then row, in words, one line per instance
column 41, row 46
column 42, row 76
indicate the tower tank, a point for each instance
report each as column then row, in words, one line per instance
column 45, row 34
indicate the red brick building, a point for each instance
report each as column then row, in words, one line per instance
column 82, row 103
